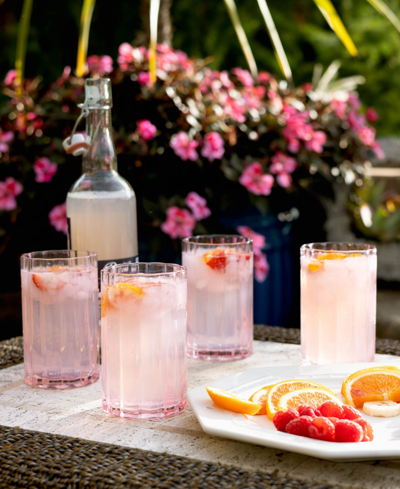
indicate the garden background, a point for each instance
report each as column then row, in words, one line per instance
column 202, row 29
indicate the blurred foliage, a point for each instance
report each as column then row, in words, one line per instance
column 203, row 28
column 375, row 211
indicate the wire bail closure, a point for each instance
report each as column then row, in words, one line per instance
column 76, row 144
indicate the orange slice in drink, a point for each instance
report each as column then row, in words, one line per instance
column 281, row 388
column 230, row 402
column 309, row 396
column 218, row 258
column 260, row 398
column 317, row 263
column 124, row 291
column 372, row 384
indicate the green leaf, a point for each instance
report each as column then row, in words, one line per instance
column 336, row 24
column 244, row 43
column 154, row 11
column 86, row 19
column 276, row 41
column 383, row 9
column 23, row 30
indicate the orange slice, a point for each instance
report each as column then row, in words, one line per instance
column 314, row 265
column 230, row 402
column 281, row 388
column 310, row 396
column 260, row 398
column 331, row 256
column 104, row 304
column 372, row 384
column 218, row 258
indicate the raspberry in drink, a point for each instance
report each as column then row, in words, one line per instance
column 220, row 296
column 60, row 318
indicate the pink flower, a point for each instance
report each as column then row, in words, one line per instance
column 264, row 77
column 354, row 101
column 5, row 138
column 296, row 128
column 366, row 135
column 125, row 57
column 243, row 76
column 255, row 180
column 261, row 266
column 316, row 141
column 10, row 78
column 307, row 87
column 233, row 108
column 377, row 149
column 146, row 129
column 339, row 107
column 8, row 191
column 143, row 78
column 356, row 121
column 213, row 148
column 183, row 147
column 44, row 169
column 100, row 64
column 372, row 114
column 198, row 205
column 282, row 163
column 284, row 179
column 258, row 239
column 58, row 218
column 179, row 223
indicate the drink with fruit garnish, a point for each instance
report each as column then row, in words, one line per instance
column 338, row 302
column 143, row 309
column 60, row 318
column 220, row 296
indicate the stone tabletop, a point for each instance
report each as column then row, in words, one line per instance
column 78, row 413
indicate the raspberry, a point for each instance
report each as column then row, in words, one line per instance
column 300, row 426
column 309, row 411
column 330, row 409
column 322, row 429
column 350, row 413
column 282, row 418
column 348, row 431
column 367, row 429
column 333, row 420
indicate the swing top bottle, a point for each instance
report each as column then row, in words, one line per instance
column 101, row 205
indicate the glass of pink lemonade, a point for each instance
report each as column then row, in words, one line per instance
column 220, row 296
column 60, row 318
column 338, row 302
column 143, row 340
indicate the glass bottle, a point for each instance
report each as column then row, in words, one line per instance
column 101, row 205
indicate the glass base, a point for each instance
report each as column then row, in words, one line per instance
column 59, row 384
column 144, row 413
column 219, row 355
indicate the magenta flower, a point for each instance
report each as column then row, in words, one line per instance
column 296, row 128
column 243, row 76
column 356, row 121
column 258, row 239
column 146, row 129
column 255, row 180
column 307, row 87
column 10, row 78
column 284, row 179
column 144, row 78
column 44, row 170
column 316, row 141
column 339, row 107
column 282, row 163
column 264, row 77
column 213, row 148
column 354, row 101
column 198, row 205
column 261, row 267
column 233, row 108
column 184, row 147
column 372, row 115
column 179, row 223
column 8, row 191
column 125, row 52
column 366, row 135
column 58, row 218
column 5, row 138
column 100, row 64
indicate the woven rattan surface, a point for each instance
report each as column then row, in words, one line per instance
column 35, row 459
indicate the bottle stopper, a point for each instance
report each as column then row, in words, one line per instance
column 75, row 144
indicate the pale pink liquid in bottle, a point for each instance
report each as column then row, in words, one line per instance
column 144, row 340
column 338, row 303
column 60, row 321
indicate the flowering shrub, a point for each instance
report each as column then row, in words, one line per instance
column 196, row 146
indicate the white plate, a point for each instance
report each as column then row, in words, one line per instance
column 261, row 431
